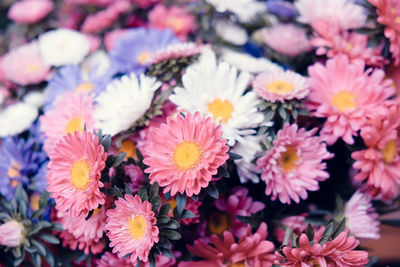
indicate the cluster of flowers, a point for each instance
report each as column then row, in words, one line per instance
column 170, row 133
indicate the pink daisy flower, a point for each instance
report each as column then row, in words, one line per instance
column 379, row 164
column 131, row 227
column 280, row 86
column 389, row 15
column 72, row 112
column 185, row 153
column 251, row 250
column 294, row 164
column 89, row 246
column 344, row 93
column 297, row 223
column 338, row 252
column 361, row 218
column 24, row 65
column 38, row 9
column 74, row 173
column 175, row 51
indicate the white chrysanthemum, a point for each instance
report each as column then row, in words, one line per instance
column 63, row 46
column 124, row 101
column 246, row 62
column 17, row 118
column 35, row 98
column 231, row 32
column 217, row 90
column 245, row 10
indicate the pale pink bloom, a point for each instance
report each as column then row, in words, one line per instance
column 393, row 72
column 185, row 153
column 30, row 11
column 297, row 223
column 342, row 14
column 112, row 260
column 111, row 37
column 72, row 112
column 294, row 164
column 131, row 228
column 280, row 86
column 361, row 217
column 175, row 51
column 287, row 39
column 94, row 42
column 69, row 16
column 136, row 175
column 178, row 19
column 379, row 163
column 238, row 203
column 12, row 234
column 252, row 250
column 89, row 246
column 74, row 173
column 24, row 65
column 343, row 93
column 389, row 15
column 337, row 252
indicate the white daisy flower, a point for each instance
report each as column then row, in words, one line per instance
column 231, row 32
column 35, row 98
column 124, row 101
column 218, row 90
column 245, row 10
column 246, row 62
column 63, row 46
column 16, row 118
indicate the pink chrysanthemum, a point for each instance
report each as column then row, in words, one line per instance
column 297, row 223
column 112, row 260
column 361, row 218
column 344, row 93
column 30, row 11
column 24, row 65
column 338, row 252
column 72, row 112
column 281, row 86
column 294, row 164
column 389, row 15
column 174, row 51
column 74, row 173
column 131, row 227
column 89, row 246
column 251, row 250
column 379, row 164
column 185, row 153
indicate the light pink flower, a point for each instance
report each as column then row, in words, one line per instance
column 287, row 39
column 192, row 155
column 69, row 16
column 361, row 217
column 251, row 250
column 280, row 86
column 12, row 234
column 94, row 42
column 178, row 19
column 343, row 93
column 297, row 223
column 294, row 165
column 89, row 246
column 111, row 37
column 175, row 51
column 131, row 228
column 338, row 252
column 24, row 65
column 74, row 173
column 30, row 11
column 393, row 72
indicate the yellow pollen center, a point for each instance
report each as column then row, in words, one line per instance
column 175, row 23
column 187, row 155
column 137, row 226
column 129, row 147
column 239, row 264
column 85, row 87
column 218, row 223
column 221, row 109
column 143, row 58
column 348, row 47
column 173, row 204
column 279, row 87
column 13, row 171
column 314, row 263
column 344, row 101
column 289, row 158
column 74, row 125
column 389, row 151
column 96, row 211
column 32, row 67
column 34, row 201
column 80, row 172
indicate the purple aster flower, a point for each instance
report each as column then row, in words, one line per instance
column 282, row 8
column 39, row 181
column 132, row 51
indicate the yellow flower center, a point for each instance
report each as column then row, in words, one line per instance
column 221, row 109
column 96, row 211
column 172, row 202
column 13, row 170
column 279, row 87
column 344, row 101
column 75, row 124
column 218, row 222
column 80, row 172
column 137, row 226
column 32, row 67
column 314, row 263
column 389, row 151
column 397, row 20
column 187, row 155
column 85, row 87
column 348, row 47
column 239, row 264
column 129, row 147
column 143, row 58
column 289, row 158
column 34, row 201
column 175, row 23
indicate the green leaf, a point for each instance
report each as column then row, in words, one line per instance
column 44, row 199
column 171, row 234
column 187, row 214
column 212, row 190
column 50, row 239
column 154, row 190
column 173, row 224
column 39, row 246
column 164, row 210
column 119, row 159
column 340, row 228
column 57, row 226
column 234, row 156
column 39, row 226
column 116, row 191
column 180, row 202
column 143, row 193
column 36, row 259
column 167, row 252
column 282, row 113
column 310, row 232
column 106, row 142
column 163, row 219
